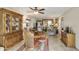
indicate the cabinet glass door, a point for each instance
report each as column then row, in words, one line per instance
column 7, row 23
column 15, row 24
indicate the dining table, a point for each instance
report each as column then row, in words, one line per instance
column 41, row 41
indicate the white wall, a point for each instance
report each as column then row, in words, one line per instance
column 71, row 18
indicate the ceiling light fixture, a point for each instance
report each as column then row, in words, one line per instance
column 35, row 12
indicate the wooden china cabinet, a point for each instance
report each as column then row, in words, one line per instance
column 10, row 28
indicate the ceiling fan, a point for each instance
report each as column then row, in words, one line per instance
column 37, row 10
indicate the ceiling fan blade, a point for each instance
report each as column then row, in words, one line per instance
column 31, row 8
column 41, row 9
column 41, row 12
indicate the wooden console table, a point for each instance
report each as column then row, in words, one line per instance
column 68, row 39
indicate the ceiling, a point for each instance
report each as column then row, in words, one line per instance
column 49, row 11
